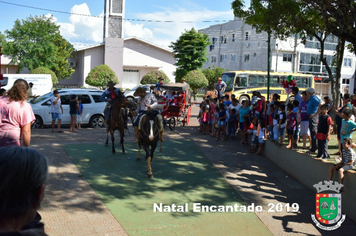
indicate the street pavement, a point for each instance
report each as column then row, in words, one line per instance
column 71, row 207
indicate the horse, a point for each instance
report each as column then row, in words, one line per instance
column 148, row 138
column 213, row 94
column 117, row 122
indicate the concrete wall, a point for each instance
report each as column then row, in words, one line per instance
column 310, row 171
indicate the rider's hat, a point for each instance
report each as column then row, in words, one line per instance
column 160, row 78
column 110, row 83
column 139, row 91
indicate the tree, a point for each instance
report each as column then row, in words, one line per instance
column 212, row 75
column 46, row 71
column 294, row 17
column 100, row 76
column 152, row 77
column 36, row 42
column 196, row 80
column 190, row 52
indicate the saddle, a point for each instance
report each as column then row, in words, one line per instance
column 143, row 119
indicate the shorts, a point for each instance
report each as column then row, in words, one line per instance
column 242, row 126
column 304, row 128
column 281, row 131
column 261, row 140
column 210, row 122
column 221, row 123
column 290, row 131
column 204, row 123
column 73, row 115
column 255, row 141
column 79, row 119
column 56, row 116
column 347, row 167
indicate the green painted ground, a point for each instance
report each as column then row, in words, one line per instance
column 182, row 174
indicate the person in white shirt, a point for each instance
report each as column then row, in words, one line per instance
column 56, row 111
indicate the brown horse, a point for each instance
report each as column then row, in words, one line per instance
column 148, row 139
column 117, row 122
column 213, row 94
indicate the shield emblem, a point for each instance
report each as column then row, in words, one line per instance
column 328, row 208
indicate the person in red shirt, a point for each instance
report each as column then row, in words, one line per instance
column 353, row 102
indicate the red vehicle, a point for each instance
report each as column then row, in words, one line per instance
column 177, row 108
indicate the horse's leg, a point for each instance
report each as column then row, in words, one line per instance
column 107, row 136
column 139, row 152
column 113, row 141
column 122, row 133
column 149, row 169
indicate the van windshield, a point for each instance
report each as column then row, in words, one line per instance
column 40, row 99
column 228, row 78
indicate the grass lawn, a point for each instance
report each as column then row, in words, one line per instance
column 333, row 147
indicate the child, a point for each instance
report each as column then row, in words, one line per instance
column 73, row 110
column 347, row 162
column 244, row 112
column 204, row 119
column 248, row 126
column 200, row 115
column 304, row 120
column 282, row 122
column 290, row 125
column 277, row 112
column 215, row 124
column 323, row 134
column 270, row 114
column 254, row 138
column 227, row 101
column 231, row 124
column 221, row 121
column 211, row 115
column 347, row 126
column 261, row 131
column 297, row 124
column 80, row 112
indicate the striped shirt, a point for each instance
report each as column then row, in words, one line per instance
column 349, row 155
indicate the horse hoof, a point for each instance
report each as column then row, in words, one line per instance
column 138, row 159
column 106, row 145
column 150, row 176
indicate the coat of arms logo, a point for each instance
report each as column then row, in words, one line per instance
column 328, row 205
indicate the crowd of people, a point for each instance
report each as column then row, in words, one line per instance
column 305, row 117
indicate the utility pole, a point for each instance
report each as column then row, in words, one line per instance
column 277, row 58
column 268, row 63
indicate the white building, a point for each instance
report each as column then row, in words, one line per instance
column 139, row 57
column 236, row 46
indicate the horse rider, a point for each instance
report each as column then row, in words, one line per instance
column 145, row 101
column 108, row 96
column 220, row 87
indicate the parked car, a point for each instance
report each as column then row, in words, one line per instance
column 92, row 107
column 130, row 93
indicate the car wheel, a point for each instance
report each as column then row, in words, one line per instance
column 131, row 99
column 97, row 121
column 38, row 122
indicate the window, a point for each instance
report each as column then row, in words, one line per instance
column 241, row 81
column 211, row 47
column 213, row 59
column 84, row 98
column 214, row 40
column 233, row 57
column 96, row 98
column 221, row 39
column 246, row 36
column 223, row 58
column 256, row 81
column 247, row 57
column 347, row 62
column 225, row 40
column 287, row 57
column 233, row 37
column 65, row 99
column 345, row 81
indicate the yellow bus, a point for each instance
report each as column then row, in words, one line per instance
column 242, row 83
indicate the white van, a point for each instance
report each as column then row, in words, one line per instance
column 42, row 84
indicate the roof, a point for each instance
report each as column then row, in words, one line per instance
column 175, row 86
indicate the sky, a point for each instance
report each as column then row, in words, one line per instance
column 84, row 31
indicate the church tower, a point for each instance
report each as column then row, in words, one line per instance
column 113, row 36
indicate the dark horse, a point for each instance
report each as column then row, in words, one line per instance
column 117, row 121
column 149, row 136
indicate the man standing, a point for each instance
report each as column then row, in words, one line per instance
column 158, row 86
column 56, row 111
column 313, row 112
column 220, row 87
column 108, row 96
column 145, row 101
column 297, row 97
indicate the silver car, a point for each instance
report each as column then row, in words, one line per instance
column 92, row 107
column 130, row 93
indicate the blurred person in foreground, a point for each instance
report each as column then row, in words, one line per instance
column 23, row 174
column 16, row 116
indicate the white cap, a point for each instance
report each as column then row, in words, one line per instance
column 310, row 90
